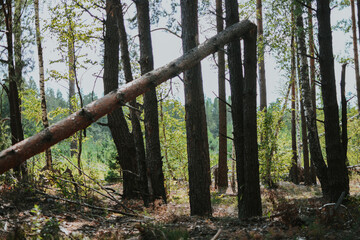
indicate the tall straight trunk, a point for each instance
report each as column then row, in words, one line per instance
column 223, row 167
column 261, row 48
column 44, row 117
column 294, row 159
column 123, row 139
column 196, row 129
column 314, row 142
column 19, row 64
column 135, row 121
column 356, row 53
column 71, row 67
column 237, row 89
column 344, row 134
column 305, row 145
column 312, row 77
column 151, row 121
column 17, row 134
column 252, row 197
column 337, row 171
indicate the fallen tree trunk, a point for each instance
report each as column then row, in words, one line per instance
column 81, row 119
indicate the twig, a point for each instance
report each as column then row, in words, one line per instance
column 230, row 138
column 103, row 188
column 217, row 234
column 85, row 204
column 222, row 100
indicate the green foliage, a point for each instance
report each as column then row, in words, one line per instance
column 158, row 231
column 271, row 156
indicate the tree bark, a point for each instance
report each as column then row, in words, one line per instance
column 81, row 119
column 314, row 142
column 123, row 139
column 252, row 197
column 151, row 121
column 196, row 129
column 44, row 117
column 223, row 167
column 135, row 121
column 305, row 145
column 294, row 159
column 16, row 129
column 261, row 53
column 337, row 171
column 356, row 53
column 312, row 78
column 344, row 134
column 236, row 87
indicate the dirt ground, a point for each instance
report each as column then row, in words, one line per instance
column 289, row 212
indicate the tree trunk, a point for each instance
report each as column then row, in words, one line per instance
column 151, row 121
column 261, row 53
column 314, row 142
column 123, row 139
column 305, row 146
column 236, row 87
column 344, row 135
column 81, row 119
column 196, row 129
column 294, row 159
column 135, row 121
column 252, row 197
column 312, row 78
column 337, row 171
column 44, row 118
column 71, row 66
column 223, row 167
column 17, row 134
column 356, row 53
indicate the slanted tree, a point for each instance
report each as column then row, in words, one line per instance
column 151, row 121
column 44, row 118
column 344, row 133
column 81, row 119
column 196, row 129
column 337, row 172
column 223, row 168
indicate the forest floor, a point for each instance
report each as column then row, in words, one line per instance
column 289, row 212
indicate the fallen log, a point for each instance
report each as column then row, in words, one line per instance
column 20, row 152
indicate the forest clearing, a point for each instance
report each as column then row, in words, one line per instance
column 100, row 141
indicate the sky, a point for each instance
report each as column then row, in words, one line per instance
column 167, row 47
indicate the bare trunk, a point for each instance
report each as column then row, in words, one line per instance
column 17, row 134
column 151, row 121
column 223, row 167
column 261, row 60
column 356, row 53
column 314, row 143
column 44, row 118
column 312, row 78
column 71, row 66
column 196, row 130
column 337, row 172
column 135, row 121
column 81, row 119
column 252, row 197
column 294, row 159
column 305, row 145
column 236, row 87
column 123, row 139
column 344, row 134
